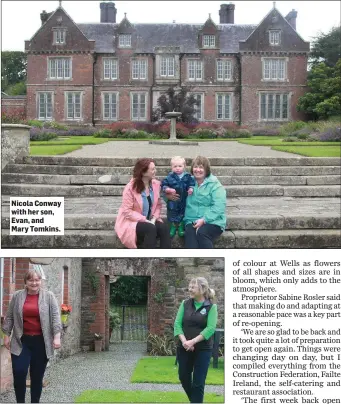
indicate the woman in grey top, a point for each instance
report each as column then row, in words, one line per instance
column 33, row 319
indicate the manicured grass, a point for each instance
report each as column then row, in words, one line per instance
column 71, row 140
column 278, row 142
column 312, row 151
column 118, row 396
column 52, row 150
column 162, row 369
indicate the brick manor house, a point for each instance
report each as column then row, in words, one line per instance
column 108, row 71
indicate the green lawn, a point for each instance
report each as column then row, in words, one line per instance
column 52, row 151
column 71, row 140
column 118, row 396
column 162, row 369
column 277, row 141
column 311, row 151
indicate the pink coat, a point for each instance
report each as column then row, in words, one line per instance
column 130, row 213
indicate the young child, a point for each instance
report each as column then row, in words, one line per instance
column 178, row 181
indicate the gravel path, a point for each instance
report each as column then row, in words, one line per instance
column 207, row 149
column 89, row 371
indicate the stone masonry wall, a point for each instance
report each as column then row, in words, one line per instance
column 169, row 278
column 15, row 143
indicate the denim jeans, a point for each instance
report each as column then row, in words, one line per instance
column 203, row 238
column 33, row 356
column 193, row 368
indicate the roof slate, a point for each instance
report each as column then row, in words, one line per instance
column 150, row 36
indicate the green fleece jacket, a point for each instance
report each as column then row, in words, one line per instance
column 208, row 201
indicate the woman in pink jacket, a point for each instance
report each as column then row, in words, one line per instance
column 138, row 222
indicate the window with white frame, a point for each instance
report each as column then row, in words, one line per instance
column 60, row 68
column 199, row 115
column 74, row 105
column 139, row 69
column 194, row 70
column 209, row 41
column 45, row 109
column 59, row 36
column 275, row 37
column 167, row 66
column 138, row 106
column 274, row 69
column 273, row 106
column 224, row 104
column 224, row 70
column 110, row 69
column 124, row 40
column 110, row 106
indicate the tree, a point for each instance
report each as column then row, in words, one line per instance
column 13, row 68
column 177, row 101
column 326, row 48
column 129, row 290
column 17, row 89
column 324, row 98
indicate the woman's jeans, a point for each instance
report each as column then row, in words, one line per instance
column 147, row 234
column 196, row 362
column 33, row 356
column 203, row 238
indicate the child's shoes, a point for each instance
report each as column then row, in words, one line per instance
column 172, row 230
column 181, row 229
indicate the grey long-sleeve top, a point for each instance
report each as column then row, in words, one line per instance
column 50, row 320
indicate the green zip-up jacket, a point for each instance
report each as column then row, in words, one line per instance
column 208, row 201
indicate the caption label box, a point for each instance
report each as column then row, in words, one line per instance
column 37, row 216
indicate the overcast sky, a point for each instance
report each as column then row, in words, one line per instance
column 21, row 19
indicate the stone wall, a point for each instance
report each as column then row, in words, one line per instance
column 54, row 282
column 169, row 278
column 15, row 142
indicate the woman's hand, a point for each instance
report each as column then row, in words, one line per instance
column 56, row 342
column 7, row 342
column 199, row 223
column 189, row 345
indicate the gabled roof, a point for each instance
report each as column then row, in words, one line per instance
column 150, row 36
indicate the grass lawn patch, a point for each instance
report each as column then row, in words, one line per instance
column 79, row 140
column 312, row 151
column 278, row 142
column 52, row 151
column 118, row 396
column 162, row 369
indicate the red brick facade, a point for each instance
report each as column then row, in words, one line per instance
column 244, row 46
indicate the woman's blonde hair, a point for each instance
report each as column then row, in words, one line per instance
column 29, row 274
column 204, row 289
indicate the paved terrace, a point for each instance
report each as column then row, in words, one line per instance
column 108, row 370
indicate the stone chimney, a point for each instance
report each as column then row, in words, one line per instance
column 44, row 17
column 226, row 13
column 291, row 18
column 108, row 12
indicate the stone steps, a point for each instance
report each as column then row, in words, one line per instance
column 18, row 178
column 272, row 202
column 308, row 238
column 41, row 190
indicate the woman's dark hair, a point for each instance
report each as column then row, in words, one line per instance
column 140, row 168
column 202, row 161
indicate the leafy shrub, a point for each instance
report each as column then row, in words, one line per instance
column 302, row 136
column 267, row 131
column 291, row 127
column 35, row 123
column 41, row 134
column 55, row 125
column 161, row 345
column 330, row 135
column 202, row 133
column 86, row 131
column 114, row 319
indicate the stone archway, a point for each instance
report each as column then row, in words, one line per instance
column 168, row 279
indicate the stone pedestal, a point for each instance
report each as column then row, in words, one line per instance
column 15, row 142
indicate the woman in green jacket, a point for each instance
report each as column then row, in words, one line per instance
column 195, row 325
column 205, row 214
